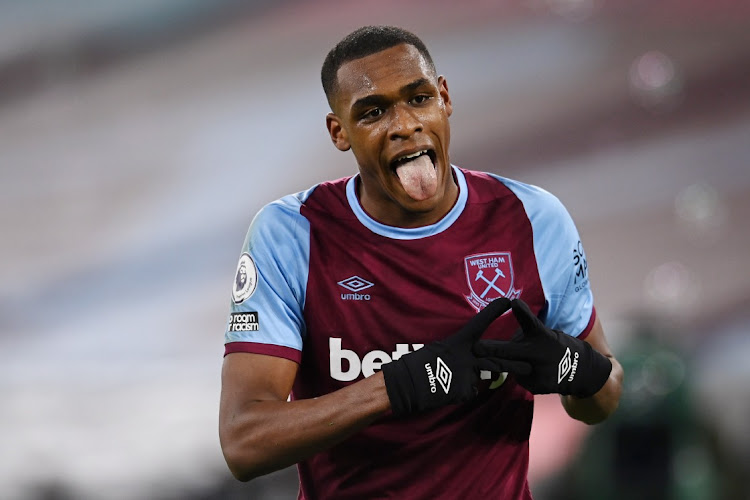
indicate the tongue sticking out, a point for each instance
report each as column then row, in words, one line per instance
column 418, row 177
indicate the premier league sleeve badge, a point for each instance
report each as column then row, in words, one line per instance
column 245, row 280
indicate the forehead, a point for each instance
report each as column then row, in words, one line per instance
column 386, row 71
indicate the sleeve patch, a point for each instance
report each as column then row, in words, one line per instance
column 245, row 280
column 580, row 268
column 243, row 322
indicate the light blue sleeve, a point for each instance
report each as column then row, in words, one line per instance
column 268, row 298
column 561, row 260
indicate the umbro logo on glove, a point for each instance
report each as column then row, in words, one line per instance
column 554, row 362
column 565, row 367
column 444, row 376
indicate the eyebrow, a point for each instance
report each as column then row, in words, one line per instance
column 416, row 84
column 378, row 99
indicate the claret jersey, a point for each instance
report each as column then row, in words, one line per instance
column 323, row 284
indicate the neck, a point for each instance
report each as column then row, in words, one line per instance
column 388, row 211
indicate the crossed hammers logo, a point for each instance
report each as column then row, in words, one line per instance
column 490, row 284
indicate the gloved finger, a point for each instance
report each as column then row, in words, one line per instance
column 518, row 335
column 529, row 323
column 496, row 365
column 479, row 323
column 504, row 349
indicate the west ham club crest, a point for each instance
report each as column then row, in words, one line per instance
column 490, row 276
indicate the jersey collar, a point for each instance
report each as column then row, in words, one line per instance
column 401, row 233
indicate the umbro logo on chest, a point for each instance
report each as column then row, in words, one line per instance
column 355, row 284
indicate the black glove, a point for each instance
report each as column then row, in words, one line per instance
column 445, row 371
column 560, row 363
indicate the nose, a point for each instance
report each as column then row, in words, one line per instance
column 405, row 123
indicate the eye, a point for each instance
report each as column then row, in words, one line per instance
column 420, row 99
column 371, row 114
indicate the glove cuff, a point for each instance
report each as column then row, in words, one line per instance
column 597, row 374
column 400, row 394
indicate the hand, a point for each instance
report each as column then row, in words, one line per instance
column 446, row 371
column 560, row 363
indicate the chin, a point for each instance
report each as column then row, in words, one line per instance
column 422, row 206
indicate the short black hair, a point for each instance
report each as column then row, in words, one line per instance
column 363, row 42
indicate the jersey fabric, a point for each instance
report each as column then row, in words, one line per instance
column 323, row 284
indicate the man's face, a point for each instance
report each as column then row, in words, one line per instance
column 242, row 277
column 389, row 107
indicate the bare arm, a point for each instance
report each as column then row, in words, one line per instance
column 260, row 431
column 602, row 404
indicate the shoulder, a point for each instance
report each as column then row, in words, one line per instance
column 289, row 215
column 534, row 197
column 279, row 220
column 289, row 208
column 326, row 195
column 537, row 202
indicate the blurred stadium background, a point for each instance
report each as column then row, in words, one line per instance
column 138, row 138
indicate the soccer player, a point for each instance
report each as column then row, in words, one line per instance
column 374, row 338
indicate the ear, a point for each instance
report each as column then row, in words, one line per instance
column 443, row 89
column 338, row 134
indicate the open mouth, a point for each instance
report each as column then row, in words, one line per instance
column 417, row 173
column 402, row 160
